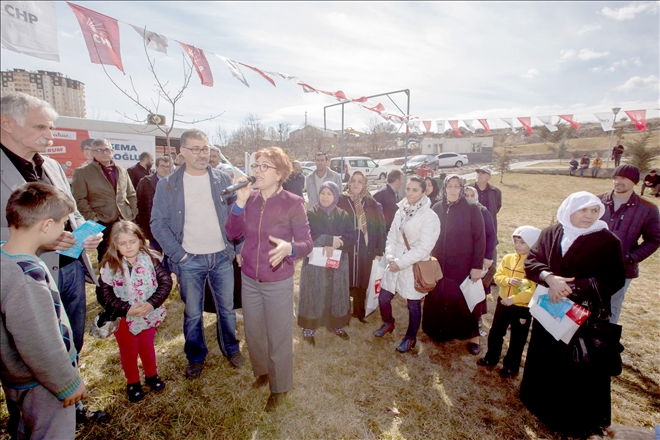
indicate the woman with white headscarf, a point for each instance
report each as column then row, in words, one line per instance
column 573, row 258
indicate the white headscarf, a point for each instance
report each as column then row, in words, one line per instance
column 573, row 203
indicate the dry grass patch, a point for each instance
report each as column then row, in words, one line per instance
column 362, row 388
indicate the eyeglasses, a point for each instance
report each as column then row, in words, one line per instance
column 262, row 167
column 197, row 150
column 104, row 150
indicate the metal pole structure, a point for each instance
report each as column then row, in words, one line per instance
column 341, row 162
column 615, row 110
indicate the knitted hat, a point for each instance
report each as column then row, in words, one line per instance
column 630, row 172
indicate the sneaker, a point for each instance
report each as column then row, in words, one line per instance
column 84, row 415
column 194, row 369
column 236, row 360
column 154, row 383
column 134, row 391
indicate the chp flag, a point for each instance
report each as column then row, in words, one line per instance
column 30, row 28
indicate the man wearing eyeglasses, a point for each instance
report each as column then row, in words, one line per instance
column 103, row 191
column 188, row 221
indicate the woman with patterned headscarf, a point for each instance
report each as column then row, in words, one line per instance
column 460, row 250
column 324, row 291
column 369, row 224
column 580, row 259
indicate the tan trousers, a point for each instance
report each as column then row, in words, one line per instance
column 268, row 321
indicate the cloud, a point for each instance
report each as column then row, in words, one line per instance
column 596, row 69
column 637, row 82
column 531, row 74
column 588, row 28
column 565, row 55
column 629, row 12
column 637, row 61
column 590, row 54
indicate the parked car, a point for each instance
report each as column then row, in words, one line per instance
column 368, row 166
column 415, row 162
column 447, row 160
column 306, row 171
column 308, row 164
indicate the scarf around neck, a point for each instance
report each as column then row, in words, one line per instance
column 136, row 286
column 409, row 210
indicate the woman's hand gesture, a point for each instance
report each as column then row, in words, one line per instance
column 280, row 252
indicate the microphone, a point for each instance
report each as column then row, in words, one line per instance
column 230, row 189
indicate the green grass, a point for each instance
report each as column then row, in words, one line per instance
column 362, row 388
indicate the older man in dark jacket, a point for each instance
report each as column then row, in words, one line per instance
column 630, row 217
column 146, row 190
column 489, row 196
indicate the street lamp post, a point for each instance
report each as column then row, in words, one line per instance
column 615, row 110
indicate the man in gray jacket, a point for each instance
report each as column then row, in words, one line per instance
column 25, row 134
column 322, row 174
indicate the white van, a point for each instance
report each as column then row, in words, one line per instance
column 358, row 163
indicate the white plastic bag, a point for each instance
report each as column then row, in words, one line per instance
column 473, row 291
column 377, row 271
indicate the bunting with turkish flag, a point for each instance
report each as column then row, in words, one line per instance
column 639, row 118
column 526, row 122
column 569, row 119
column 260, row 72
column 509, row 121
column 547, row 122
column 440, row 125
column 468, row 124
column 484, row 122
column 101, row 36
column 427, row 125
column 201, row 64
column 454, row 126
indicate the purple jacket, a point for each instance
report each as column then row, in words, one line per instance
column 283, row 216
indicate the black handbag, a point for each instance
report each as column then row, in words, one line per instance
column 597, row 345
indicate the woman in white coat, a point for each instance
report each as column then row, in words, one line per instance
column 421, row 227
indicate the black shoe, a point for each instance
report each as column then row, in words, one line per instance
column 406, row 345
column 484, row 362
column 85, row 415
column 309, row 339
column 387, row 327
column 154, row 383
column 473, row 348
column 194, row 369
column 134, row 391
column 236, row 360
column 342, row 334
column 260, row 381
column 274, row 400
column 506, row 373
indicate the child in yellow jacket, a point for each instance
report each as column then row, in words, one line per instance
column 512, row 304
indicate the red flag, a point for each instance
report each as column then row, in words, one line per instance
column 454, row 125
column 377, row 108
column 427, row 124
column 569, row 119
column 363, row 99
column 526, row 122
column 101, row 36
column 484, row 122
column 260, row 72
column 639, row 118
column 199, row 61
column 308, row 89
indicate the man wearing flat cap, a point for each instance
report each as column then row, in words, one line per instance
column 489, row 196
column 630, row 217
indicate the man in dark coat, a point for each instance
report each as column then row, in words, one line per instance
column 630, row 218
column 617, row 152
column 652, row 182
column 388, row 196
column 296, row 182
column 146, row 190
column 141, row 169
column 489, row 196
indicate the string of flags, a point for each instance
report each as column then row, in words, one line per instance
column 30, row 28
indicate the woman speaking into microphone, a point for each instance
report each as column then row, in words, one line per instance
column 274, row 225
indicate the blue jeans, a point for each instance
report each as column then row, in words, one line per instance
column 193, row 271
column 617, row 301
column 71, row 284
column 414, row 312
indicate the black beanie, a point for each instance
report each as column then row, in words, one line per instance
column 630, row 172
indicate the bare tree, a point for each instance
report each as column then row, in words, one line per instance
column 379, row 132
column 220, row 137
column 164, row 94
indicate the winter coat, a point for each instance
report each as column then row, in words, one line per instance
column 422, row 231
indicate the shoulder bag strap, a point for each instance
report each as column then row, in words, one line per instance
column 405, row 240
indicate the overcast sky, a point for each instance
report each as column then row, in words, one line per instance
column 459, row 60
